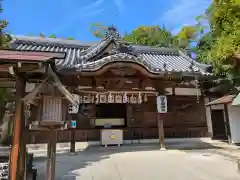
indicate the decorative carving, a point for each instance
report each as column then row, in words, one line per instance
column 97, row 98
column 103, row 98
column 86, row 99
column 112, row 33
column 110, row 98
column 183, row 107
column 133, row 99
column 125, row 98
column 123, row 71
column 145, row 98
column 139, row 98
column 118, row 99
column 81, row 99
column 92, row 99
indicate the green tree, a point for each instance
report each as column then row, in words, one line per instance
column 221, row 45
column 224, row 20
column 5, row 38
column 186, row 35
column 69, row 38
column 98, row 30
column 5, row 94
column 52, row 36
column 151, row 36
column 4, row 43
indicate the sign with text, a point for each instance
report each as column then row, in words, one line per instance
column 162, row 104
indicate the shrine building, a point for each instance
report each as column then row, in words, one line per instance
column 116, row 84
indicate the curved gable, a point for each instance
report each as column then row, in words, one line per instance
column 91, row 57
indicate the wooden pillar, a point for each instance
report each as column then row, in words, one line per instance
column 226, row 122
column 161, row 131
column 51, row 161
column 18, row 124
column 22, row 170
column 73, row 141
column 22, row 156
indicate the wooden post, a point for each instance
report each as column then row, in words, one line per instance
column 51, row 161
column 22, row 173
column 22, row 158
column 18, row 124
column 161, row 132
column 226, row 122
column 73, row 141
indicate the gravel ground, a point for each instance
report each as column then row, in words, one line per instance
column 141, row 163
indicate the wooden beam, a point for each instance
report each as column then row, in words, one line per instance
column 30, row 96
column 227, row 124
column 161, row 131
column 73, row 141
column 14, row 155
column 22, row 154
column 51, row 161
column 11, row 70
column 61, row 87
column 22, row 173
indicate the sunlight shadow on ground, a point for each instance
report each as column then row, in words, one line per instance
column 66, row 164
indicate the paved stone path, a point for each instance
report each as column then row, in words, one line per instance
column 141, row 163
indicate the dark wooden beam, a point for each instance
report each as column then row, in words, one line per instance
column 18, row 123
column 161, row 131
column 30, row 96
column 60, row 86
column 73, row 141
column 22, row 171
column 227, row 125
column 51, row 161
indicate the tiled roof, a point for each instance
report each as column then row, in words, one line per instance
column 222, row 100
column 9, row 55
column 78, row 55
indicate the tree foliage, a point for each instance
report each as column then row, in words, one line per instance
column 186, row 35
column 98, row 30
column 151, row 36
column 52, row 36
column 5, row 38
column 5, row 94
column 221, row 45
column 224, row 20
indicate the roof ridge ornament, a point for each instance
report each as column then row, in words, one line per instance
column 112, row 33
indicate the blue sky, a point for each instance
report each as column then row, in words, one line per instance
column 72, row 18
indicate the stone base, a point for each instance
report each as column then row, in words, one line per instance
column 163, row 149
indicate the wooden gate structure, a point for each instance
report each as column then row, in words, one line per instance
column 16, row 68
column 108, row 72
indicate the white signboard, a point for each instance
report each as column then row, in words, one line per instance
column 162, row 104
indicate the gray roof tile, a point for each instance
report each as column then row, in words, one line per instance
column 77, row 54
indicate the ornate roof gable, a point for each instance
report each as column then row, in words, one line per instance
column 110, row 45
column 90, row 57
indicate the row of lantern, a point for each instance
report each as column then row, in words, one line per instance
column 113, row 98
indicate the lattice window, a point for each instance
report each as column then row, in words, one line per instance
column 52, row 109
